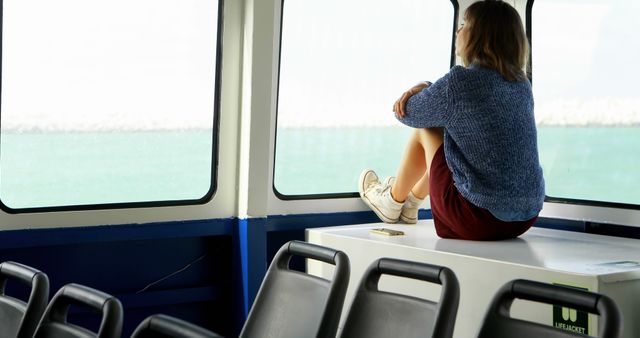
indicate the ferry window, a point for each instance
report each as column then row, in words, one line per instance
column 587, row 101
column 107, row 102
column 342, row 66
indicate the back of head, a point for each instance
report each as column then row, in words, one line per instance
column 496, row 39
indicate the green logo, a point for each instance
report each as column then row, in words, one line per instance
column 570, row 319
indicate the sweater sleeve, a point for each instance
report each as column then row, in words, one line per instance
column 430, row 107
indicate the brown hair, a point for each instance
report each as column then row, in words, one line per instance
column 496, row 39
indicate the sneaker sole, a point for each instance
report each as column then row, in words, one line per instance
column 369, row 204
column 408, row 220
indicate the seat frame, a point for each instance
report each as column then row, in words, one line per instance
column 498, row 322
column 445, row 310
column 54, row 322
column 267, row 303
column 38, row 297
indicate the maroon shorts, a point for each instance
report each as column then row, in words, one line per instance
column 455, row 217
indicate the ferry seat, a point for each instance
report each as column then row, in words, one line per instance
column 17, row 318
column 54, row 322
column 376, row 313
column 499, row 324
column 163, row 326
column 293, row 304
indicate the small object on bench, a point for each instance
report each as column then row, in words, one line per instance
column 387, row 232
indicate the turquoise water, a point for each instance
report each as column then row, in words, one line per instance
column 60, row 169
column 578, row 162
column 599, row 164
column 314, row 161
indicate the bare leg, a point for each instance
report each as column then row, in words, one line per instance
column 413, row 174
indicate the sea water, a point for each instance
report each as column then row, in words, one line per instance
column 588, row 163
column 45, row 169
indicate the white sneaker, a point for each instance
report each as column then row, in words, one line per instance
column 378, row 197
column 411, row 206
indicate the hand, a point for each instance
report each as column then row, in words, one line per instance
column 398, row 107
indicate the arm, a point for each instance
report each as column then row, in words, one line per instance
column 399, row 106
column 426, row 106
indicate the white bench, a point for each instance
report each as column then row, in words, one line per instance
column 601, row 264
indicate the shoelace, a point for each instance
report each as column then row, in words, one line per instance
column 378, row 188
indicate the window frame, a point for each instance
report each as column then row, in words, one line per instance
column 208, row 196
column 284, row 197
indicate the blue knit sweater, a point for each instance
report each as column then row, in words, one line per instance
column 490, row 141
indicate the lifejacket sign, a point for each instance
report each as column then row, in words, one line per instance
column 568, row 319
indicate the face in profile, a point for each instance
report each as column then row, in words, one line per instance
column 461, row 38
column 491, row 35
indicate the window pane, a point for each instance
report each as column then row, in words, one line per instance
column 343, row 65
column 106, row 101
column 587, row 98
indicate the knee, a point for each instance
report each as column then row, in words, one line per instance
column 430, row 136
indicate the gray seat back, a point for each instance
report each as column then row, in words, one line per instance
column 54, row 322
column 376, row 313
column 292, row 304
column 163, row 326
column 499, row 324
column 18, row 318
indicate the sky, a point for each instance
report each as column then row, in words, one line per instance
column 113, row 64
column 149, row 64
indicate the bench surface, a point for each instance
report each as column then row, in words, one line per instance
column 566, row 251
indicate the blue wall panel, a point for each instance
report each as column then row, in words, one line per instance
column 179, row 268
column 207, row 272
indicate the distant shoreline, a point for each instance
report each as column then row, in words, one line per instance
column 602, row 112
